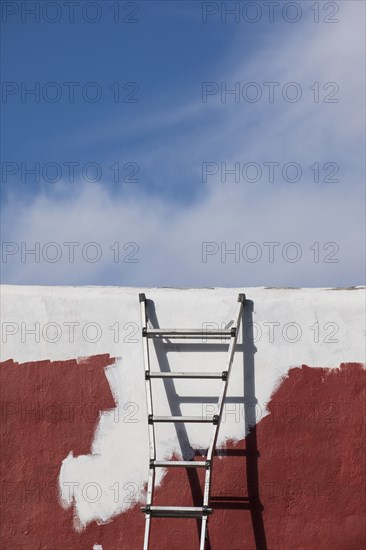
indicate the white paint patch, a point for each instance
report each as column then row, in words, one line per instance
column 317, row 327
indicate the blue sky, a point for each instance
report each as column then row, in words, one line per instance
column 171, row 212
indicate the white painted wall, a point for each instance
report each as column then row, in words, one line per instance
column 73, row 317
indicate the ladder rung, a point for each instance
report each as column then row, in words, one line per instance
column 178, row 463
column 218, row 375
column 208, row 419
column 177, row 511
column 186, row 333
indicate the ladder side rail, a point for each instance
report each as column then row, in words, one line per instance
column 151, row 429
column 207, row 483
column 230, row 358
column 203, row 532
column 148, row 387
column 147, row 531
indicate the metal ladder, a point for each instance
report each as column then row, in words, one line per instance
column 231, row 330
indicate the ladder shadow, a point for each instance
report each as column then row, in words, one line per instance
column 251, row 502
column 247, row 348
column 251, row 451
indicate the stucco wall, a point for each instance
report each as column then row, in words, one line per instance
column 75, row 428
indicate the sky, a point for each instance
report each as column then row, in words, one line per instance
column 183, row 143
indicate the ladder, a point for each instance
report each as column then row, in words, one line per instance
column 230, row 331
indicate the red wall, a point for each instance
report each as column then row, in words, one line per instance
column 296, row 483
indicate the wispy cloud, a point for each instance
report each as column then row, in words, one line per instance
column 175, row 141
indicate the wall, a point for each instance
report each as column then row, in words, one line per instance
column 288, row 472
